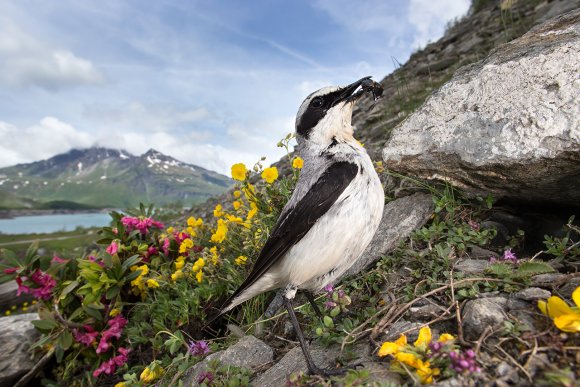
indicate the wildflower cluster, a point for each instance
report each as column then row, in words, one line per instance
column 336, row 300
column 148, row 286
column 427, row 359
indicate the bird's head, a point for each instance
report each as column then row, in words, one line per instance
column 326, row 114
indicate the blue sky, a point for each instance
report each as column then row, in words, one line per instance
column 208, row 82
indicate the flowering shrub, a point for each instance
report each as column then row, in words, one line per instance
column 145, row 291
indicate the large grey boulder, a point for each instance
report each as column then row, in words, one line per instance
column 508, row 125
column 16, row 335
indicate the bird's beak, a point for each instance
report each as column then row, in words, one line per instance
column 350, row 94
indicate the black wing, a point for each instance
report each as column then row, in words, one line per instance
column 294, row 224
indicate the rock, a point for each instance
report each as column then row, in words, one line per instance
column 400, row 218
column 508, row 125
column 568, row 287
column 16, row 335
column 479, row 314
column 533, row 294
column 249, row 352
column 8, row 295
column 472, row 266
column 428, row 311
column 294, row 361
column 476, row 252
column 547, row 280
column 410, row 329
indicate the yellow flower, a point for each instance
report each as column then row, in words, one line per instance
column 220, row 233
column 237, row 194
column 234, row 219
column 297, row 163
column 249, row 191
column 8, row 313
column 148, row 375
column 424, row 337
column 407, row 358
column 177, row 275
column 152, row 283
column 565, row 318
column 241, row 260
column 199, row 276
column 170, row 230
column 179, row 263
column 253, row 211
column 239, row 172
column 114, row 312
column 218, row 211
column 270, row 174
column 185, row 245
column 144, row 270
column 121, row 384
column 425, row 372
column 390, row 348
column 25, row 304
column 237, row 204
column 198, row 265
column 191, row 231
column 445, row 337
column 192, row 222
column 214, row 255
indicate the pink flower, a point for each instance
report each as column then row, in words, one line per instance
column 87, row 338
column 10, row 270
column 198, row 348
column 108, row 367
column 22, row 288
column 57, row 259
column 116, row 325
column 141, row 224
column 151, row 251
column 509, row 256
column 113, row 248
column 165, row 246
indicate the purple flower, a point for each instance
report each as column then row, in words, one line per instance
column 198, row 348
column 463, row 362
column 205, row 377
column 116, row 325
column 87, row 338
column 328, row 288
column 108, row 367
column 473, row 224
column 509, row 256
column 329, row 304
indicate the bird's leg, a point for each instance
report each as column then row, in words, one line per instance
column 312, row 368
column 310, row 298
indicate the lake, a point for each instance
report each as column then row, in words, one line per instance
column 52, row 223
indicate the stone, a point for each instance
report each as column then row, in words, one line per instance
column 479, row 314
column 547, row 280
column 294, row 361
column 428, row 311
column 400, row 218
column 471, row 266
column 248, row 352
column 8, row 295
column 508, row 125
column 533, row 294
column 476, row 252
column 409, row 329
column 16, row 335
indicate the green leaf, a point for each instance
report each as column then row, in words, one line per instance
column 65, row 339
column 501, row 270
column 69, row 288
column 45, row 325
column 130, row 262
column 532, row 268
column 328, row 322
column 112, row 292
column 133, row 275
column 31, row 253
column 9, row 256
column 93, row 313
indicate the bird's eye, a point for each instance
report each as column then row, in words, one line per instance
column 317, row 102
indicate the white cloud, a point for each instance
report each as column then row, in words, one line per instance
column 40, row 141
column 429, row 18
column 367, row 15
column 137, row 115
column 27, row 61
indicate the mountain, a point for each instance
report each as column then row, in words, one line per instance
column 100, row 177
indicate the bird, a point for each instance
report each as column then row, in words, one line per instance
column 332, row 214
